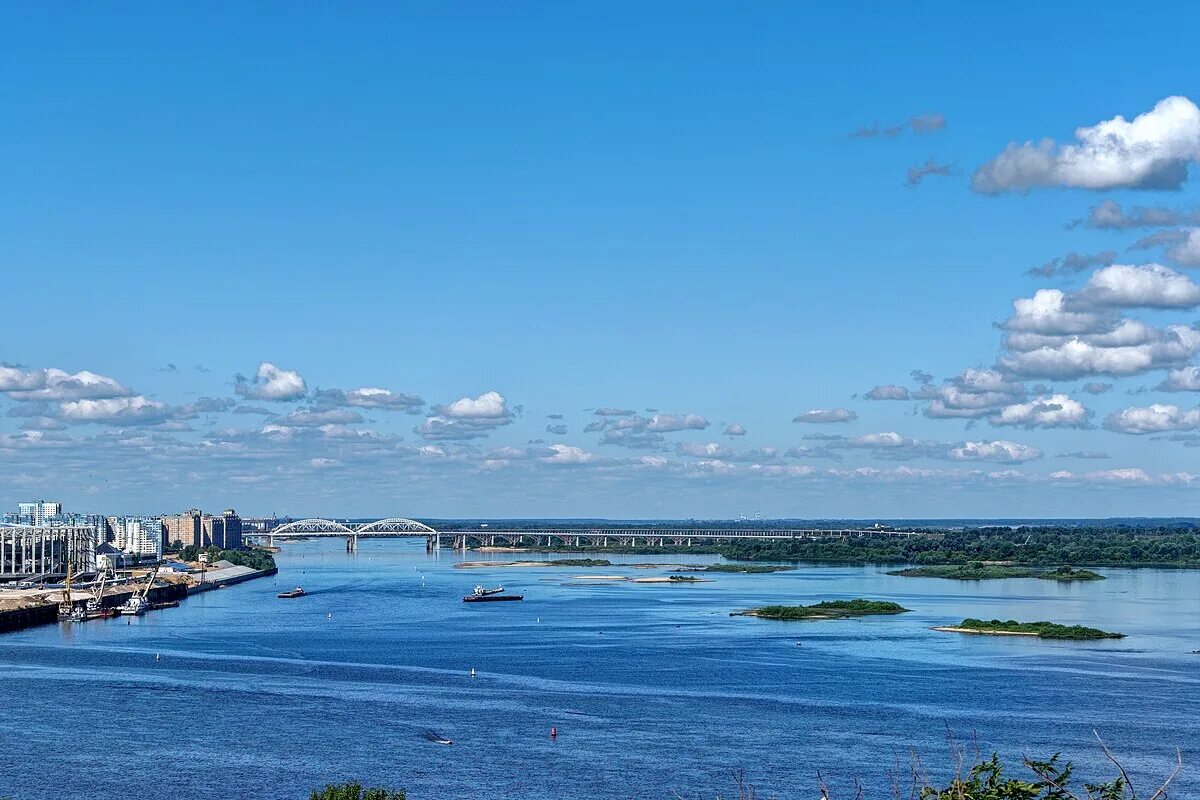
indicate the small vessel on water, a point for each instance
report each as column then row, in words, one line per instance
column 437, row 738
column 297, row 592
column 482, row 595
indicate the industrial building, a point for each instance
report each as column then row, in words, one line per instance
column 46, row 549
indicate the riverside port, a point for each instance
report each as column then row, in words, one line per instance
column 29, row 606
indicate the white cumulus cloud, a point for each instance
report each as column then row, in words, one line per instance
column 136, row 410
column 1184, row 379
column 272, row 383
column 1156, row 418
column 1003, row 452
column 818, row 415
column 1139, row 286
column 1053, row 411
column 1152, row 151
column 57, row 385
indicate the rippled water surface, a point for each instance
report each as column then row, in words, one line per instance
column 654, row 689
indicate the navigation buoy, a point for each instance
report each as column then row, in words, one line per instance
column 330, row 615
column 553, row 732
column 157, row 657
column 472, row 672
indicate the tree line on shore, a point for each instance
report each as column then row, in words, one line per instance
column 1040, row 546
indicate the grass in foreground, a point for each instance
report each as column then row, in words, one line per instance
column 829, row 609
column 974, row 779
column 976, row 571
column 1044, row 630
column 353, row 790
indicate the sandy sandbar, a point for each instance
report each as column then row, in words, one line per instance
column 977, row 632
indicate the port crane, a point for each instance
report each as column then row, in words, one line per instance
column 66, row 609
column 95, row 603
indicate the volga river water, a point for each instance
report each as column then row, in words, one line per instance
column 656, row 691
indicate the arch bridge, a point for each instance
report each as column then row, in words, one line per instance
column 321, row 528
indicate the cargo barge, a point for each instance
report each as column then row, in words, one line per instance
column 482, row 595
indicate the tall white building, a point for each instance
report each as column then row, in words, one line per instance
column 138, row 536
column 38, row 512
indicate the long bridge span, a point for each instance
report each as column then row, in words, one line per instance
column 562, row 536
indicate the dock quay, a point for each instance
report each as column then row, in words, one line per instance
column 27, row 608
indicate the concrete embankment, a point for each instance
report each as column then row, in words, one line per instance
column 215, row 579
column 14, row 619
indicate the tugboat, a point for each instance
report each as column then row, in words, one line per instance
column 297, row 592
column 482, row 595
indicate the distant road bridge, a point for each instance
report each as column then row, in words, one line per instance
column 322, row 528
column 562, row 537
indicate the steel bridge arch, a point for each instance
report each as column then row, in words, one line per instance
column 312, row 527
column 395, row 525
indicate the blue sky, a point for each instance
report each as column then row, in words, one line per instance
column 654, row 210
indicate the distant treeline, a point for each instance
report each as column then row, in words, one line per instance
column 1043, row 546
column 532, row 525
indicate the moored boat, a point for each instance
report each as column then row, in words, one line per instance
column 135, row 606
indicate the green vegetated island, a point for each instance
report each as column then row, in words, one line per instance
column 751, row 569
column 976, row 571
column 557, row 562
column 829, row 609
column 1042, row 630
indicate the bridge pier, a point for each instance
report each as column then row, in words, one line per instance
column 352, row 544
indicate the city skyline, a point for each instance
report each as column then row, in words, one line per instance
column 701, row 266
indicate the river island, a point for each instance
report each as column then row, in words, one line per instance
column 977, row 571
column 1041, row 630
column 828, row 609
